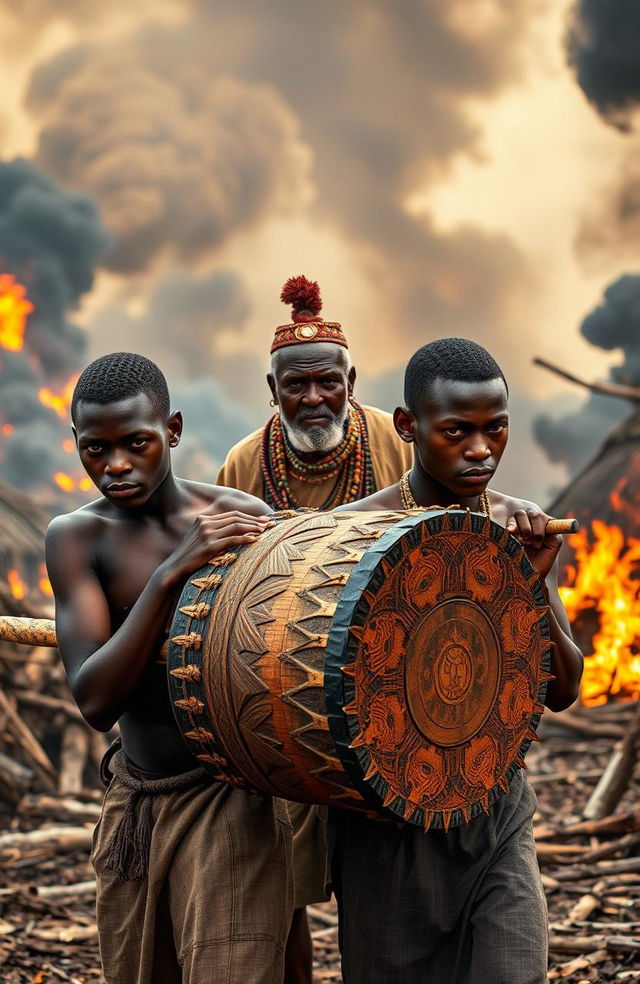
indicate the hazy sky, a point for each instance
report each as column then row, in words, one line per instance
column 432, row 163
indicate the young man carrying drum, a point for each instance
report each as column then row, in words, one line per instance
column 194, row 876
column 465, row 906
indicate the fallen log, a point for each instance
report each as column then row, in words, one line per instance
column 57, row 808
column 606, row 850
column 583, row 908
column 47, row 842
column 73, row 758
column 593, row 729
column 586, row 944
column 27, row 741
column 48, row 703
column 15, row 780
column 617, row 775
column 62, row 891
column 601, row 870
column 622, row 823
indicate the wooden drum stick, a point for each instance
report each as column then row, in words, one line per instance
column 563, row 526
column 42, row 631
column 28, row 631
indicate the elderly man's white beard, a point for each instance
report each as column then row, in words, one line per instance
column 319, row 439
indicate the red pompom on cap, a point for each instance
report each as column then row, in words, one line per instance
column 304, row 297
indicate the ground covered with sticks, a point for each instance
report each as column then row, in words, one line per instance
column 591, row 869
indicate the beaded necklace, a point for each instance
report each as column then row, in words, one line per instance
column 409, row 502
column 349, row 463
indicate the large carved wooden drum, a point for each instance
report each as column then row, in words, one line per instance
column 386, row 661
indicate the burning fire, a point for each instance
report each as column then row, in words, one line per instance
column 60, row 402
column 69, row 484
column 16, row 585
column 44, row 583
column 14, row 309
column 605, row 581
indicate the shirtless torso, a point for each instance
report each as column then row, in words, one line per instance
column 117, row 568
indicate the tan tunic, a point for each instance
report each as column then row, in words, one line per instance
column 390, row 458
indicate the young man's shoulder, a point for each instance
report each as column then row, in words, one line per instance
column 504, row 506
column 83, row 519
column 226, row 499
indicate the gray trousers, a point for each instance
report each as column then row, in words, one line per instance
column 466, row 907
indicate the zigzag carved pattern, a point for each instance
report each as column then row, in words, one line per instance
column 271, row 619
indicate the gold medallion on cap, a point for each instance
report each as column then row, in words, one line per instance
column 305, row 332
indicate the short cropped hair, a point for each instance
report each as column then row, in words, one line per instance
column 447, row 358
column 118, row 376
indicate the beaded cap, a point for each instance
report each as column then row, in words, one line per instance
column 306, row 325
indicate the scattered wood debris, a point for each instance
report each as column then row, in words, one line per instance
column 50, row 800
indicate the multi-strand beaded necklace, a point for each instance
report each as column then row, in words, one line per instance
column 349, row 464
column 409, row 502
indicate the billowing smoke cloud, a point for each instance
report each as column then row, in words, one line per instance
column 602, row 46
column 212, row 423
column 183, row 329
column 610, row 229
column 51, row 240
column 178, row 160
column 182, row 322
column 188, row 133
column 613, row 325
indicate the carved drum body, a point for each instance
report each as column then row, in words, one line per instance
column 389, row 661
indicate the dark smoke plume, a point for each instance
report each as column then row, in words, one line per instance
column 603, row 45
column 613, row 325
column 188, row 133
column 51, row 240
column 177, row 159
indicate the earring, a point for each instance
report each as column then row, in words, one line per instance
column 272, row 403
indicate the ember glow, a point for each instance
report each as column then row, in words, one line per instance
column 16, row 584
column 59, row 402
column 70, row 484
column 43, row 583
column 15, row 307
column 603, row 584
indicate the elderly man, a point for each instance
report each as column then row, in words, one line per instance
column 320, row 449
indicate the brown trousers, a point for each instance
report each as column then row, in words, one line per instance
column 216, row 904
column 311, row 874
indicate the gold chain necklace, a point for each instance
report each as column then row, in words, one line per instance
column 408, row 501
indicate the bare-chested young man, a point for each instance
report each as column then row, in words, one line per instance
column 466, row 906
column 194, row 876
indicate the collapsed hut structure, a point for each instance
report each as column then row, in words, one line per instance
column 601, row 564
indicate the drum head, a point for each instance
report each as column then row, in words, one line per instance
column 436, row 667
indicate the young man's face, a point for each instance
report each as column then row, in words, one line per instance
column 460, row 433
column 124, row 447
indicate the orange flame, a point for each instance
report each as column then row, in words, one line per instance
column 44, row 583
column 60, row 402
column 64, row 481
column 14, row 309
column 16, row 585
column 69, row 484
column 7, row 429
column 604, row 579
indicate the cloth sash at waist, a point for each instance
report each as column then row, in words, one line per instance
column 128, row 854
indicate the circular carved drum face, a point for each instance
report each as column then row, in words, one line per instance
column 452, row 672
column 437, row 667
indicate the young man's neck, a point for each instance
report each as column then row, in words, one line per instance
column 427, row 492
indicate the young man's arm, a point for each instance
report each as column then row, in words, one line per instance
column 104, row 669
column 529, row 526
